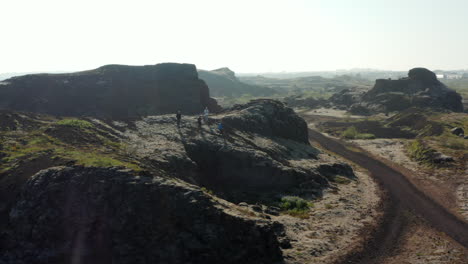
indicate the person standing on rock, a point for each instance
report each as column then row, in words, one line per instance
column 220, row 128
column 206, row 112
column 178, row 116
column 199, row 121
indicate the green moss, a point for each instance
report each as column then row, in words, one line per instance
column 78, row 123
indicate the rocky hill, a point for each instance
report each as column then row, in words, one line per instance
column 112, row 91
column 223, row 82
column 420, row 89
column 147, row 191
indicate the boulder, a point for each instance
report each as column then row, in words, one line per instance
column 111, row 215
column 269, row 118
column 112, row 91
column 440, row 158
column 457, row 131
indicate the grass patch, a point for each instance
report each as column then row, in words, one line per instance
column 353, row 133
column 341, row 180
column 78, row 123
column 205, row 190
column 419, row 152
column 455, row 143
column 37, row 144
column 295, row 206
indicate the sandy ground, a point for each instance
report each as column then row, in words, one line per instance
column 334, row 224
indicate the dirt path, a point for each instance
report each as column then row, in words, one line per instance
column 402, row 195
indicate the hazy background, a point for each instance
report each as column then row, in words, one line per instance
column 247, row 36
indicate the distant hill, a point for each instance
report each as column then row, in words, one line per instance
column 223, row 82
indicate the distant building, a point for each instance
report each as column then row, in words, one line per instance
column 449, row 76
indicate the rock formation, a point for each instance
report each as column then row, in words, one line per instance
column 177, row 206
column 112, row 91
column 223, row 82
column 265, row 151
column 110, row 215
column 420, row 89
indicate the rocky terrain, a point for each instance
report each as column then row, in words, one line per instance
column 223, row 82
column 111, row 91
column 420, row 89
column 145, row 191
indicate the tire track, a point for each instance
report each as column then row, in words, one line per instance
column 402, row 195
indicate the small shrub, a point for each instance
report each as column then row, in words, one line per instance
column 82, row 124
column 353, row 133
column 293, row 202
column 329, row 206
column 350, row 133
column 296, row 206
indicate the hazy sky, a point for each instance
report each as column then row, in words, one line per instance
column 247, row 36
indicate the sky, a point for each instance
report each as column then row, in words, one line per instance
column 246, row 36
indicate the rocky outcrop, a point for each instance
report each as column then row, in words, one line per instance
column 420, row 89
column 269, row 118
column 179, row 206
column 264, row 151
column 223, row 82
column 99, row 215
column 345, row 98
column 112, row 91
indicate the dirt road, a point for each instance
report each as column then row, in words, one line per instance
column 402, row 196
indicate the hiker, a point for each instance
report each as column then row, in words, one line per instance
column 206, row 112
column 178, row 116
column 199, row 121
column 220, row 128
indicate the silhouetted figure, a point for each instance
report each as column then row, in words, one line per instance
column 178, row 116
column 199, row 121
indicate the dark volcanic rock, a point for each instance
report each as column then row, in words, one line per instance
column 264, row 151
column 268, row 118
column 457, row 131
column 421, row 89
column 115, row 91
column 345, row 98
column 98, row 215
